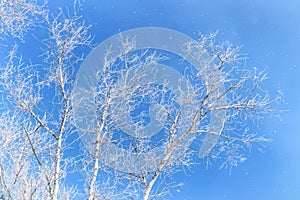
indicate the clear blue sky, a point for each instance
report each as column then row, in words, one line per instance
column 270, row 34
column 269, row 31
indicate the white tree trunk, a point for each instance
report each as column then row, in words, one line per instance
column 91, row 192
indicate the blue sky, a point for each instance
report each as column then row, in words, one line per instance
column 270, row 34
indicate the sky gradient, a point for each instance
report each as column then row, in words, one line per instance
column 269, row 31
column 270, row 34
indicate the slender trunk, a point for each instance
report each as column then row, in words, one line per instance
column 57, row 168
column 171, row 147
column 156, row 174
column 149, row 187
column 91, row 192
column 61, row 130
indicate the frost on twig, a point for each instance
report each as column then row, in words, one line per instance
column 18, row 16
column 149, row 120
column 35, row 123
column 210, row 105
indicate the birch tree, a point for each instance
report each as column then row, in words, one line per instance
column 128, row 101
column 138, row 120
column 19, row 16
column 34, row 128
